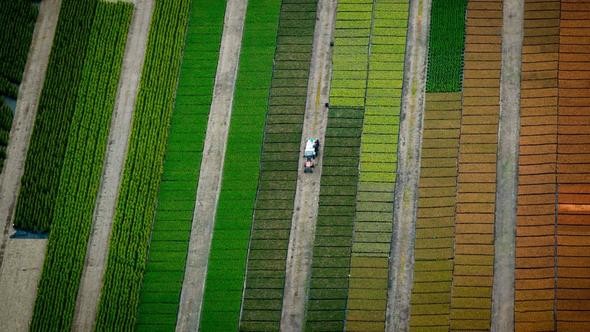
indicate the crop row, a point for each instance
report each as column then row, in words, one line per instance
column 350, row 54
column 265, row 275
column 163, row 279
column 47, row 148
column 229, row 247
column 82, row 168
column 136, row 206
column 328, row 293
column 16, row 30
column 378, row 166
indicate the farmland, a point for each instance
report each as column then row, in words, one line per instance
column 18, row 20
column 333, row 241
column 162, row 283
column 229, row 247
column 271, row 225
column 45, row 156
column 82, row 168
column 130, row 236
column 464, row 96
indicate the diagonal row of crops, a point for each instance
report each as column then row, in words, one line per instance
column 378, row 166
column 135, row 212
column 333, row 237
column 229, row 247
column 82, row 168
column 162, row 283
column 47, row 148
column 17, row 21
column 435, row 224
column 265, row 274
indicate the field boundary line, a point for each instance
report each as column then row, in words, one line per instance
column 507, row 167
column 401, row 257
column 305, row 207
column 210, row 176
column 116, row 154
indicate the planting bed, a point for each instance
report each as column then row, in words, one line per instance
column 265, row 274
column 433, row 267
column 45, row 156
column 162, row 283
column 143, row 168
column 82, row 168
column 328, row 293
column 378, row 164
column 535, row 241
column 229, row 246
column 474, row 223
column 17, row 21
column 573, row 169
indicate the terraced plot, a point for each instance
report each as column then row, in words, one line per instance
column 162, row 283
column 474, row 223
column 535, row 242
column 82, row 168
column 333, row 238
column 573, row 169
column 265, row 276
column 378, row 164
column 229, row 247
column 435, row 226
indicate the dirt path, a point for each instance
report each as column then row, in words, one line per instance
column 401, row 260
column 210, row 176
column 21, row 260
column 507, row 168
column 93, row 273
column 305, row 212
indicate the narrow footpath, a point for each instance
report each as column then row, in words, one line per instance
column 305, row 210
column 21, row 260
column 211, row 172
column 96, row 256
column 401, row 259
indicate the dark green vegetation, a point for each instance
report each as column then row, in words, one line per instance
column 229, row 248
column 143, row 168
column 17, row 21
column 162, row 283
column 265, row 274
column 82, row 168
column 446, row 44
column 328, row 293
column 45, row 156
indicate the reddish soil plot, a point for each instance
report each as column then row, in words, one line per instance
column 573, row 169
column 535, row 242
column 473, row 270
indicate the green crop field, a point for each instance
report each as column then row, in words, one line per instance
column 229, row 247
column 446, row 44
column 162, row 283
column 328, row 292
column 45, row 156
column 265, row 274
column 135, row 212
column 82, row 168
column 17, row 22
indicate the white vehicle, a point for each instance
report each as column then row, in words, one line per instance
column 312, row 148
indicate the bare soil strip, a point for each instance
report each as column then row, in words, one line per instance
column 210, row 176
column 507, row 168
column 93, row 273
column 401, row 260
column 21, row 261
column 300, row 252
